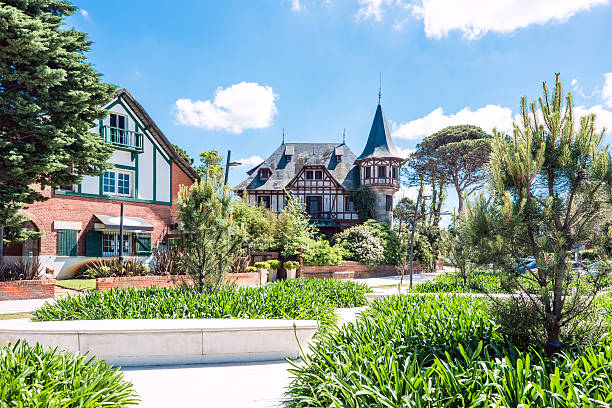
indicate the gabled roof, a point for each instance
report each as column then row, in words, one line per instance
column 346, row 172
column 379, row 144
column 159, row 136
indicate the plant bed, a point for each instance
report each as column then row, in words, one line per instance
column 290, row 299
column 77, row 284
column 34, row 376
column 27, row 289
column 169, row 281
column 443, row 351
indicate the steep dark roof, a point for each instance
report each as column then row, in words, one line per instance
column 379, row 144
column 156, row 132
column 346, row 172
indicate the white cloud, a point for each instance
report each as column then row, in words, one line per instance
column 404, row 152
column 474, row 18
column 84, row 13
column 371, row 9
column 606, row 90
column 250, row 162
column 412, row 192
column 603, row 119
column 296, row 5
column 487, row 117
column 246, row 105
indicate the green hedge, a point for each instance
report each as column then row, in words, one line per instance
column 34, row 376
column 442, row 351
column 289, row 299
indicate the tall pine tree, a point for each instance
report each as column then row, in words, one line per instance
column 50, row 97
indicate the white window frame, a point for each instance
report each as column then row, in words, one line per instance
column 116, row 183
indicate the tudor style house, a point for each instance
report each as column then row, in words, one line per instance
column 322, row 175
column 81, row 222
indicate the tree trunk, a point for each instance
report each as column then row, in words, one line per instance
column 460, row 197
column 553, row 328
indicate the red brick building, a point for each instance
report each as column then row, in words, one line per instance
column 80, row 223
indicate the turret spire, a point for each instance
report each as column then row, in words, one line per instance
column 343, row 136
column 379, row 87
column 283, row 136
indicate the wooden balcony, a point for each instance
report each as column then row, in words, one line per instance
column 123, row 139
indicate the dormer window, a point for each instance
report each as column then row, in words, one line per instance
column 289, row 150
column 339, row 152
column 264, row 174
column 338, row 158
column 309, row 175
column 288, row 157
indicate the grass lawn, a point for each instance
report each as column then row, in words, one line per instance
column 77, row 284
column 22, row 315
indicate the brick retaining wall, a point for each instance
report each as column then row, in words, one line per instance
column 168, row 281
column 27, row 289
column 351, row 270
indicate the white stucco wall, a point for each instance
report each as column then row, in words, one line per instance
column 163, row 178
column 90, row 185
column 145, row 172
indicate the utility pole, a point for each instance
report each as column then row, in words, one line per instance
column 227, row 166
column 1, row 236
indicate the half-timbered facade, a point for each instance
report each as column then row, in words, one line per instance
column 322, row 175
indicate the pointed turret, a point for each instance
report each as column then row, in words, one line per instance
column 379, row 166
column 379, row 144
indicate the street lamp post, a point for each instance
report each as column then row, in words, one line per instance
column 229, row 164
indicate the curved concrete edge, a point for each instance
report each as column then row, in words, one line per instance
column 168, row 341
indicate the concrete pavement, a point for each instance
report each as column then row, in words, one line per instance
column 257, row 385
column 22, row 306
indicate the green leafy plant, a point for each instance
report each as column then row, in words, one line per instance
column 167, row 261
column 262, row 265
column 275, row 264
column 365, row 202
column 361, row 244
column 288, row 299
column 251, row 269
column 320, row 253
column 106, row 268
column 291, row 265
column 35, row 376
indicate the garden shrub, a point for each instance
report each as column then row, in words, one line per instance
column 251, row 269
column 388, row 238
column 361, row 245
column 262, row 265
column 19, row 270
column 35, row 376
column 275, row 264
column 320, row 253
column 590, row 255
column 291, row 265
column 106, row 268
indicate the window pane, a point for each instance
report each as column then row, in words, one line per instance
column 318, row 175
column 113, row 120
column 108, row 184
column 309, row 175
column 123, row 183
column 121, row 122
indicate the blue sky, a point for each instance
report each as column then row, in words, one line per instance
column 232, row 74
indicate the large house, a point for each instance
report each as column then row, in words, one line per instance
column 81, row 222
column 322, row 175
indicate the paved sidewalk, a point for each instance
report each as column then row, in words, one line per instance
column 22, row 306
column 394, row 280
column 258, row 385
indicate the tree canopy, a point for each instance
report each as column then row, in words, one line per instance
column 549, row 181
column 455, row 155
column 183, row 154
column 211, row 162
column 50, row 97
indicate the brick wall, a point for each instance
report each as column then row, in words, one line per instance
column 27, row 289
column 104, row 284
column 179, row 178
column 351, row 270
column 82, row 209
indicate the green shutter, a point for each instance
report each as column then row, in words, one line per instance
column 143, row 244
column 66, row 242
column 93, row 244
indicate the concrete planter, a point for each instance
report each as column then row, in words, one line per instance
column 291, row 273
column 263, row 276
column 272, row 275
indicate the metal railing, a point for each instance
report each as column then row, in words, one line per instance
column 123, row 138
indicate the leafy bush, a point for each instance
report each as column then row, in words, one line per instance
column 167, row 261
column 106, row 268
column 275, row 264
column 262, row 265
column 291, row 265
column 365, row 202
column 590, row 255
column 295, row 231
column 361, row 245
column 321, row 253
column 19, row 270
column 388, row 238
column 34, row 376
column 251, row 269
column 442, row 351
column 289, row 299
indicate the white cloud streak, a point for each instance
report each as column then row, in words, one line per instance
column 246, row 105
column 296, row 5
column 487, row 117
column 606, row 90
